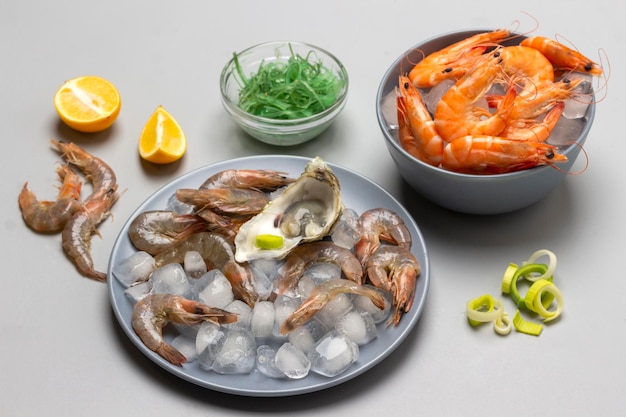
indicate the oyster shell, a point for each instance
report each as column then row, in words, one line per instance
column 305, row 211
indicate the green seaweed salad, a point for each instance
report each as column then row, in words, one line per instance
column 298, row 88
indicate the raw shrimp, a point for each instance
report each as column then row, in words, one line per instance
column 76, row 235
column 455, row 60
column 395, row 269
column 305, row 254
column 95, row 169
column 225, row 200
column 457, row 114
column 416, row 128
column 563, row 57
column 217, row 253
column 496, row 155
column 51, row 216
column 155, row 311
column 257, row 179
column 380, row 224
column 154, row 231
column 322, row 294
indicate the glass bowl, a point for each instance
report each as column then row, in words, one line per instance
column 280, row 132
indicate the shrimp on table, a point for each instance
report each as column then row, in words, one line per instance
column 322, row 294
column 99, row 173
column 496, row 155
column 457, row 114
column 155, row 311
column 455, row 60
column 395, row 269
column 225, row 200
column 76, row 235
column 154, row 231
column 305, row 254
column 416, row 128
column 563, row 57
column 380, row 224
column 254, row 179
column 51, row 216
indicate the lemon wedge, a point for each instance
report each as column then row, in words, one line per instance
column 88, row 103
column 162, row 140
column 268, row 242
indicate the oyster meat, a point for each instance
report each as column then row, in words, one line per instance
column 305, row 211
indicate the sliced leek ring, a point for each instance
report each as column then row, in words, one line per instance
column 483, row 309
column 524, row 326
column 508, row 277
column 502, row 325
column 522, row 272
column 540, row 297
column 551, row 264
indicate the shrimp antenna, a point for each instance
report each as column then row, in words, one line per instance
column 574, row 172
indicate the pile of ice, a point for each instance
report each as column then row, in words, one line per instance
column 327, row 344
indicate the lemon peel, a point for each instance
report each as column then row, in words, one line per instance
column 269, row 241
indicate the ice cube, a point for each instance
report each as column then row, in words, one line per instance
column 566, row 131
column 185, row 345
column 283, row 307
column 292, row 361
column 364, row 303
column 333, row 354
column 262, row 283
column 136, row 267
column 244, row 312
column 138, row 291
column 306, row 284
column 348, row 230
column 433, row 96
column 576, row 106
column 174, row 204
column 214, row 289
column 194, row 265
column 335, row 309
column 236, row 352
column 266, row 363
column 389, row 108
column 358, row 325
column 262, row 319
column 207, row 339
column 305, row 336
column 170, row 279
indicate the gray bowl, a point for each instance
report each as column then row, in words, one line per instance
column 466, row 193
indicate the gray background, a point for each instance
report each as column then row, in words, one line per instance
column 61, row 349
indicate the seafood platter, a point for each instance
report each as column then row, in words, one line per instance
column 343, row 196
column 482, row 122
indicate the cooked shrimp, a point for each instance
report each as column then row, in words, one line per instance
column 416, row 128
column 95, row 169
column 257, row 179
column 395, row 269
column 226, row 200
column 496, row 155
column 527, row 64
column 305, row 254
column 76, row 235
column 51, row 216
column 154, row 231
column 217, row 253
column 152, row 313
column 457, row 115
column 322, row 294
column 455, row 60
column 563, row 57
column 534, row 130
column 380, row 224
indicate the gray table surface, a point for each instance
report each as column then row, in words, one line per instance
column 62, row 352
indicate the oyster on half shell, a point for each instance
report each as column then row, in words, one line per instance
column 305, row 211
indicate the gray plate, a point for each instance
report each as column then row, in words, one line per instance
column 358, row 193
